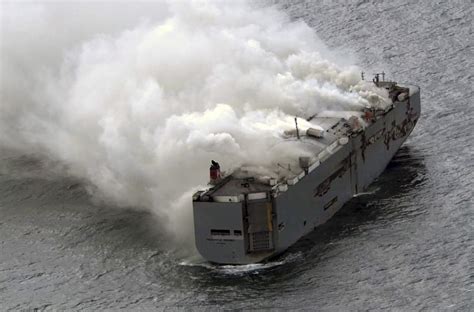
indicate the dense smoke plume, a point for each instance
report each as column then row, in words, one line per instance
column 139, row 106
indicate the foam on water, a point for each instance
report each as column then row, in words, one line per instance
column 255, row 268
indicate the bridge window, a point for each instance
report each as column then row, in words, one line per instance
column 237, row 232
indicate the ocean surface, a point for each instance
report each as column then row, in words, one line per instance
column 404, row 245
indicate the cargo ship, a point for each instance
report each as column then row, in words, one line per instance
column 249, row 219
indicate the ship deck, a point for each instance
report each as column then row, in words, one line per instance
column 234, row 187
column 333, row 127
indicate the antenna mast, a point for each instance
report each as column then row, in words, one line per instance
column 297, row 130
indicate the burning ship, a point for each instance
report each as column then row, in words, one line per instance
column 243, row 220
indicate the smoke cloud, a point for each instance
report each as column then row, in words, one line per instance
column 138, row 99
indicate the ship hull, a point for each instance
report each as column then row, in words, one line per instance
column 348, row 170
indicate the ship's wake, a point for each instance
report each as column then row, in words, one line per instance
column 368, row 192
column 255, row 268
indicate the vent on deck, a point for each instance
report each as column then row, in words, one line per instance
column 260, row 241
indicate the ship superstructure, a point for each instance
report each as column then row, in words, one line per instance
column 247, row 219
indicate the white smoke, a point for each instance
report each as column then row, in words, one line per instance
column 140, row 109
